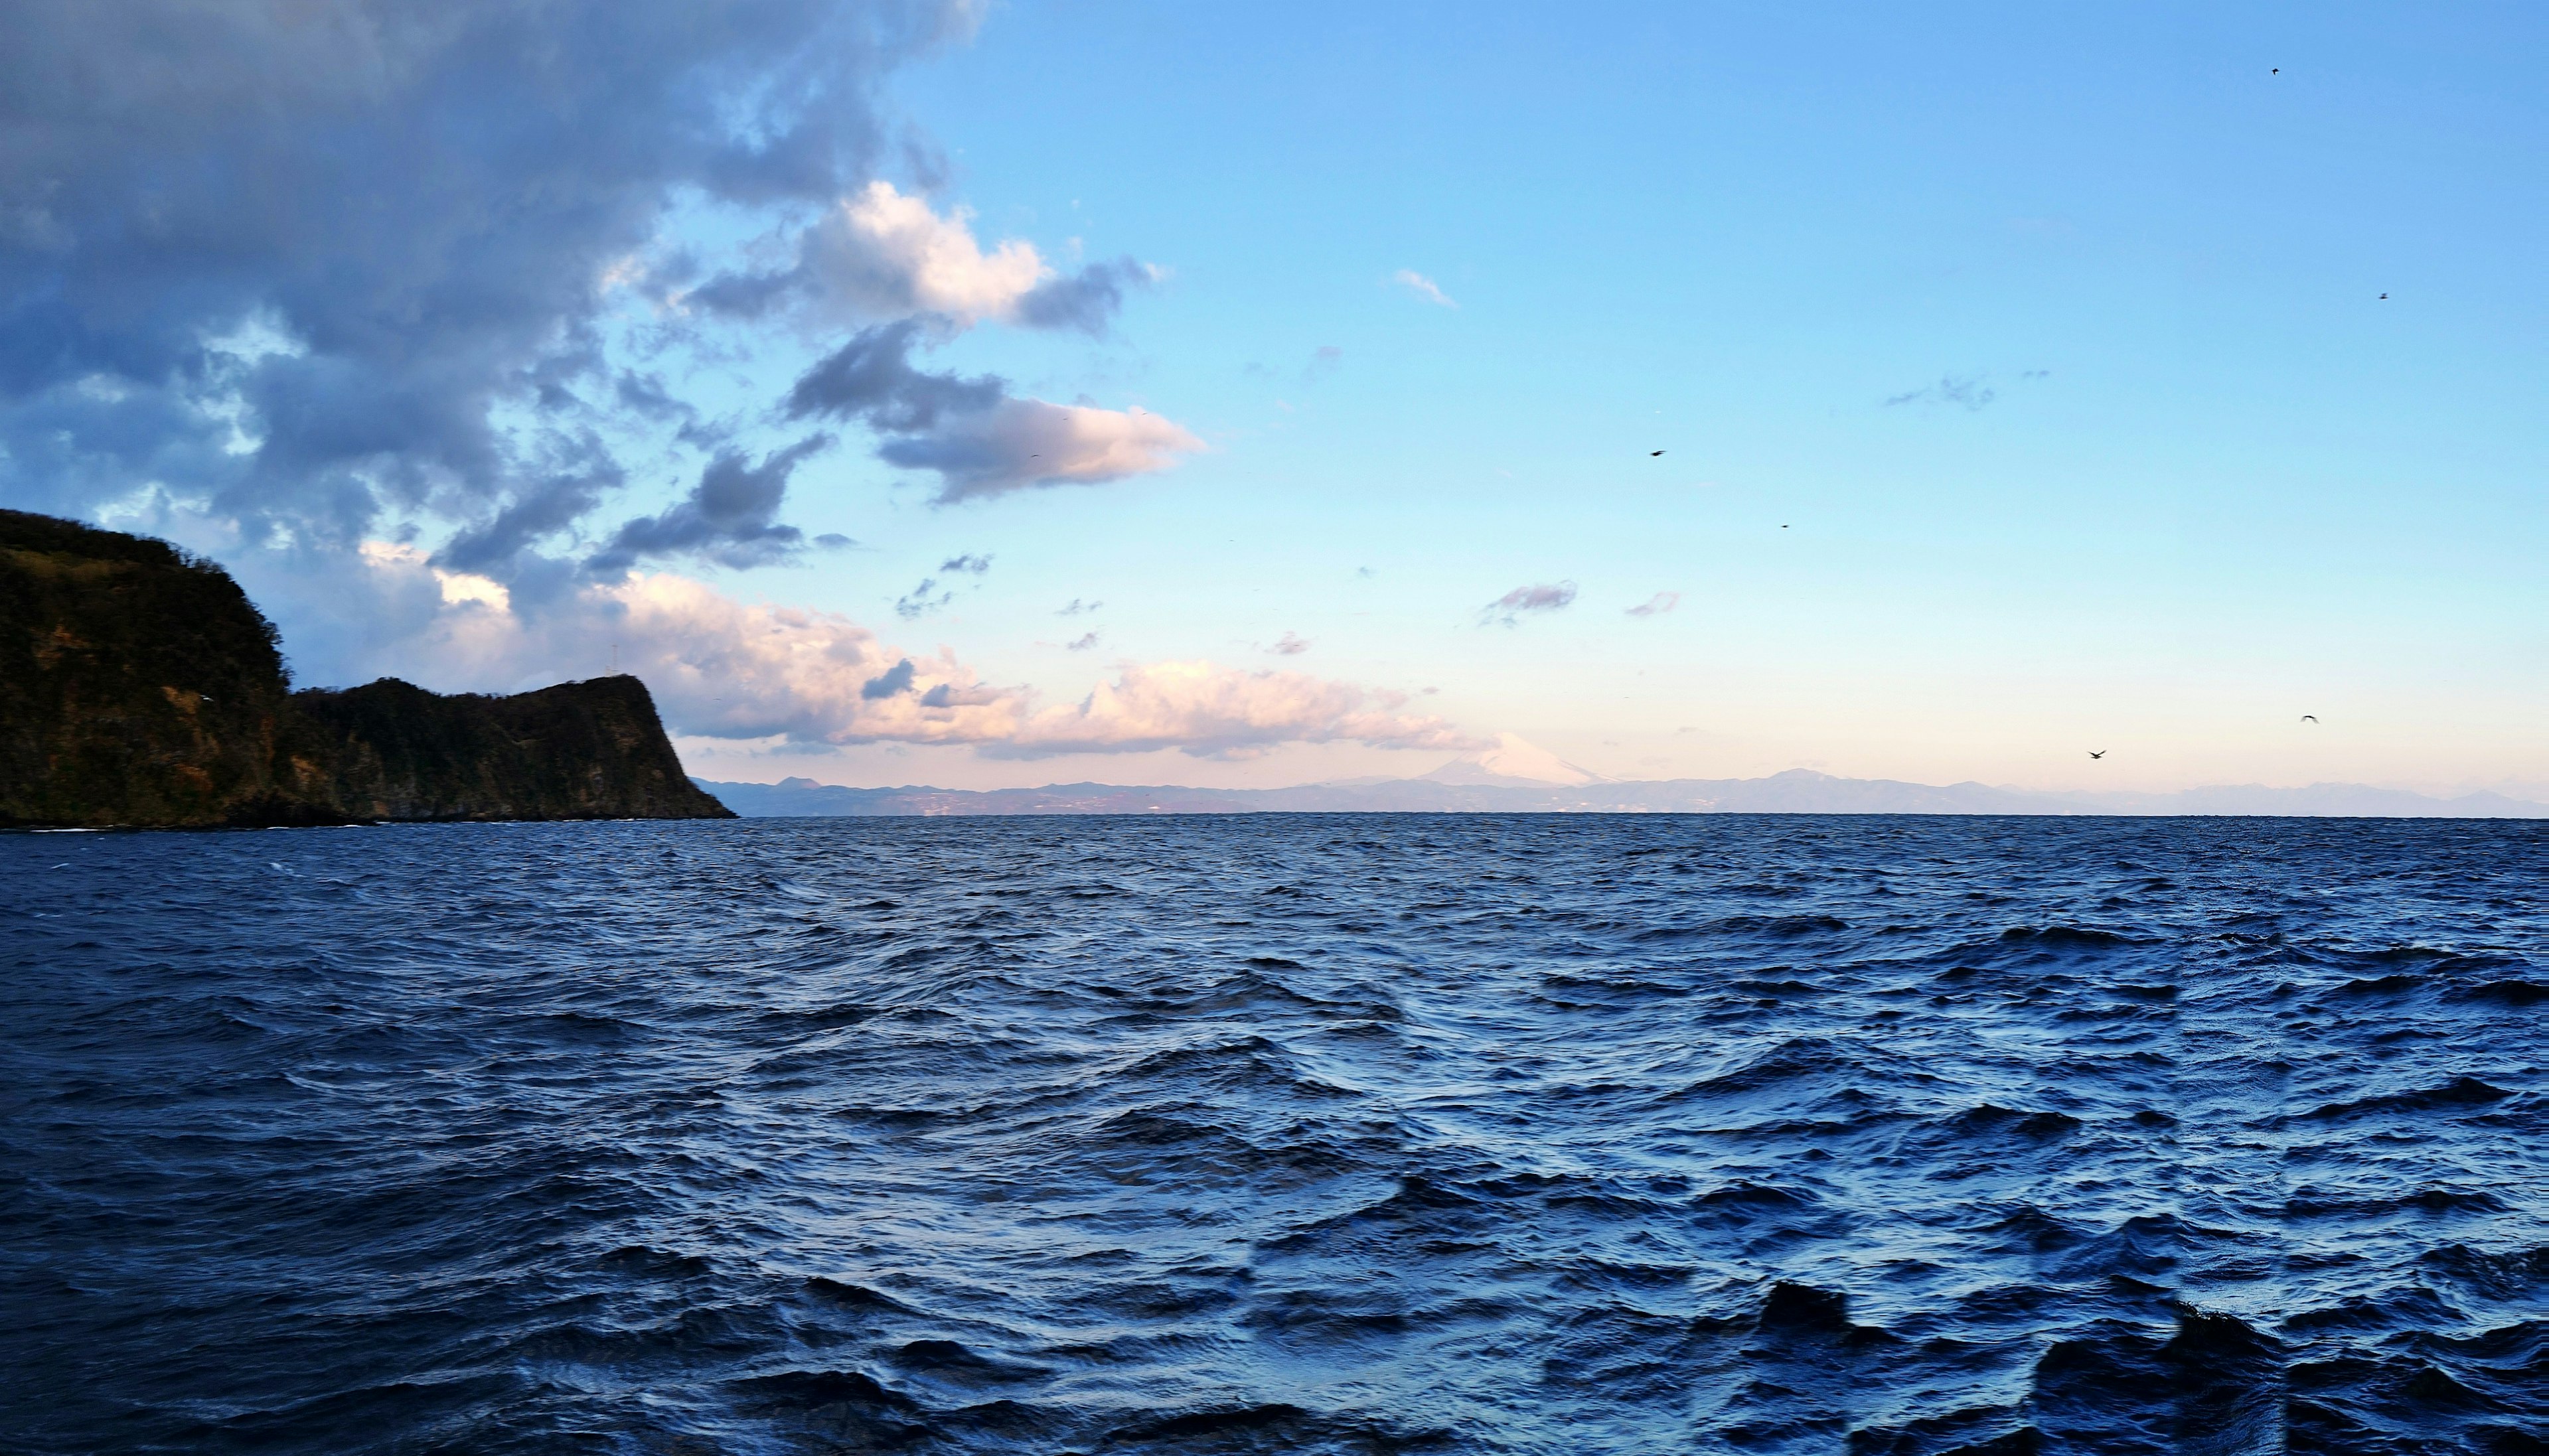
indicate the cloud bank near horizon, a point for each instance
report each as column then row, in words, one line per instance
column 726, row 669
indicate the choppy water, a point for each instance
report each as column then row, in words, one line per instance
column 1354, row 1135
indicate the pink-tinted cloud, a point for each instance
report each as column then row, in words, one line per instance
column 722, row 667
column 1020, row 443
column 1210, row 710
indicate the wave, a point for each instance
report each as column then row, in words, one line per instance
column 1288, row 1133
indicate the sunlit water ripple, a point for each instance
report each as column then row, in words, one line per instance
column 1286, row 1134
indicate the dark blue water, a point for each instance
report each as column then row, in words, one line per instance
column 1301, row 1133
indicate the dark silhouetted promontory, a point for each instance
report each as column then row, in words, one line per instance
column 140, row 686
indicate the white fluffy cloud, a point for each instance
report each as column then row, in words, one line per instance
column 885, row 254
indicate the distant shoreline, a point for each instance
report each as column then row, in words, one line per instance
column 1798, row 791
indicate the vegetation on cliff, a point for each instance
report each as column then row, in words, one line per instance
column 591, row 750
column 139, row 685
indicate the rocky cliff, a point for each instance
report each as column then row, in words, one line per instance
column 577, row 751
column 140, row 686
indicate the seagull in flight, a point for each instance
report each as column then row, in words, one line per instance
column 2310, row 717
column 2096, row 753
column 1652, row 454
column 2385, row 295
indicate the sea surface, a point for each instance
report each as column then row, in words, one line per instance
column 1280, row 1134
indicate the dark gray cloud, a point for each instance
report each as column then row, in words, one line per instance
column 949, row 695
column 892, row 683
column 1521, row 602
column 871, row 380
column 1087, row 300
column 928, row 596
column 747, row 295
column 539, row 507
column 730, row 516
column 979, row 438
column 316, row 262
column 644, row 395
column 922, row 600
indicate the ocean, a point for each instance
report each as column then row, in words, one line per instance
column 1456, row 1133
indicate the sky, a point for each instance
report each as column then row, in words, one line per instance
column 940, row 392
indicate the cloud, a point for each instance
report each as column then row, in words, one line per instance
column 881, row 253
column 724, row 669
column 1656, row 605
column 1969, row 391
column 885, row 254
column 893, row 682
column 978, row 438
column 1019, row 444
column 1423, row 287
column 326, row 272
column 871, row 380
column 543, row 504
column 1082, row 643
column 720, row 668
column 1327, row 359
column 1087, row 300
column 730, row 516
column 1079, row 606
column 949, row 695
column 1290, row 646
column 319, row 264
column 1213, row 711
column 922, row 600
column 1509, row 609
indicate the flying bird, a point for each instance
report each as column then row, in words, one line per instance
column 2310, row 717
column 2275, row 72
column 2096, row 753
column 2385, row 295
column 1651, row 454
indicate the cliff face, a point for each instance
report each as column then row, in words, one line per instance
column 577, row 751
column 136, row 685
column 140, row 686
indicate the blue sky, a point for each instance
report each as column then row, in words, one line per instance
column 2023, row 374
column 2218, row 481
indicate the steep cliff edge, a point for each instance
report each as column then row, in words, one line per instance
column 140, row 686
column 592, row 750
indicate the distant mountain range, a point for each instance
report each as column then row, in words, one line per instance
column 1472, row 787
